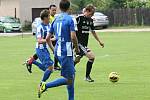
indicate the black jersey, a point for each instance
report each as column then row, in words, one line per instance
column 84, row 25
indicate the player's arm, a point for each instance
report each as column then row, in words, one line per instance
column 95, row 35
column 48, row 38
column 49, row 42
column 41, row 40
column 97, row 38
column 75, row 41
column 74, row 37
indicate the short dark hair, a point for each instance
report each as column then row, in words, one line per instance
column 52, row 6
column 64, row 5
column 44, row 14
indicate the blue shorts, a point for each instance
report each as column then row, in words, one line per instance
column 44, row 57
column 67, row 64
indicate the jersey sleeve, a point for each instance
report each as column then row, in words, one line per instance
column 39, row 32
column 72, row 25
column 78, row 19
column 75, row 23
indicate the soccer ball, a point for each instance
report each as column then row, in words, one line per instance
column 114, row 77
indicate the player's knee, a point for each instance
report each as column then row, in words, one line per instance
column 91, row 60
column 69, row 81
column 92, row 57
column 50, row 68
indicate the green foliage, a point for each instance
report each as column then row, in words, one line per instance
column 112, row 4
column 99, row 4
column 117, row 3
column 80, row 4
column 148, row 4
column 102, row 4
column 135, row 4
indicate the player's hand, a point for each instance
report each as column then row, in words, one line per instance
column 77, row 59
column 101, row 44
column 77, row 50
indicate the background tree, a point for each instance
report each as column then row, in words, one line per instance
column 111, row 4
column 136, row 4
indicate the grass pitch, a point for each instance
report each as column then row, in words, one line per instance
column 125, row 53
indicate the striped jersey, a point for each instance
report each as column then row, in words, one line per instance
column 62, row 26
column 42, row 31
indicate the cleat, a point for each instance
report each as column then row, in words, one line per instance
column 89, row 79
column 41, row 89
column 28, row 66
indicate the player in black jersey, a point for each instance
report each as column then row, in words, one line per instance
column 85, row 24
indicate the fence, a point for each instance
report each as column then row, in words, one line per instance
column 138, row 16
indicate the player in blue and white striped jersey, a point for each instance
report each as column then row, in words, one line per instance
column 64, row 29
column 41, row 46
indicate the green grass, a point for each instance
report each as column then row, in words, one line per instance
column 126, row 53
column 129, row 27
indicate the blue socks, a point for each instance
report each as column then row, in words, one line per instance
column 47, row 72
column 46, row 75
column 60, row 82
column 39, row 65
column 56, row 83
column 70, row 89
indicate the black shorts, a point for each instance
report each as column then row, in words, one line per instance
column 83, row 50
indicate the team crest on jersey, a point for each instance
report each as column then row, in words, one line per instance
column 84, row 22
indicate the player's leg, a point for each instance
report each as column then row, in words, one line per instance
column 90, row 55
column 70, row 88
column 56, row 83
column 80, row 55
column 68, row 73
column 29, row 62
column 47, row 62
column 33, row 59
column 39, row 65
column 47, row 73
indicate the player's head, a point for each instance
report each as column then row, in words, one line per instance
column 89, row 10
column 52, row 9
column 45, row 16
column 64, row 5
